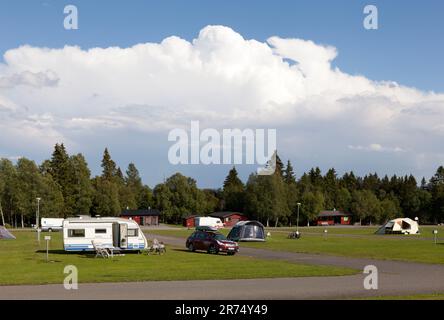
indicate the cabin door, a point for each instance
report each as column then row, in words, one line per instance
column 123, row 235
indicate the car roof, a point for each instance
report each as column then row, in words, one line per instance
column 207, row 231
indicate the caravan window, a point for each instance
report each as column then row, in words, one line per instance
column 133, row 232
column 100, row 231
column 76, row 233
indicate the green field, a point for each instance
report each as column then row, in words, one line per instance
column 360, row 242
column 22, row 261
column 433, row 296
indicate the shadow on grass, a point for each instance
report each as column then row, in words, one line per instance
column 188, row 251
column 87, row 254
column 198, row 252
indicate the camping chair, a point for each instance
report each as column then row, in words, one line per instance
column 159, row 247
column 156, row 247
column 100, row 252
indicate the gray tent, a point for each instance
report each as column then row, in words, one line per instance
column 5, row 234
column 247, row 231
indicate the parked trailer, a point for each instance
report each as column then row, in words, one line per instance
column 122, row 234
column 51, row 224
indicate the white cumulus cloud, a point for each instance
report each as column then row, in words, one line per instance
column 223, row 80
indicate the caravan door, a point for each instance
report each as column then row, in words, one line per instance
column 123, row 236
column 116, row 235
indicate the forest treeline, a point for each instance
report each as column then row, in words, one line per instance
column 66, row 188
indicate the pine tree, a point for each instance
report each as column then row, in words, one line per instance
column 142, row 194
column 316, row 178
column 58, row 165
column 109, row 170
column 82, row 190
column 279, row 166
column 330, row 189
column 133, row 179
column 233, row 192
column 64, row 174
column 289, row 176
column 437, row 193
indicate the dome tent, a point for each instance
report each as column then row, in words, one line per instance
column 247, row 231
column 399, row 226
column 5, row 234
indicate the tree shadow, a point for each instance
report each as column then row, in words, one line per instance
column 199, row 252
column 58, row 251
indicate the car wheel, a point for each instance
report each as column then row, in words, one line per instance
column 231, row 253
column 213, row 249
column 191, row 247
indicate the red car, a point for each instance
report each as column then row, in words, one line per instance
column 212, row 242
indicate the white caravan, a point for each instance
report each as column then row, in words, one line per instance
column 122, row 234
column 51, row 224
column 208, row 222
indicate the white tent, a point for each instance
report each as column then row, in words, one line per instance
column 5, row 234
column 400, row 226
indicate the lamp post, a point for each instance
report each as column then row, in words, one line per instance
column 37, row 218
column 297, row 219
column 37, row 224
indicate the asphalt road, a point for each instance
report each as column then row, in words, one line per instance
column 395, row 278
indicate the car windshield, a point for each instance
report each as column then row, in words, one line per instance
column 219, row 236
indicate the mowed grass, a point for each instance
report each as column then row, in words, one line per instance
column 359, row 242
column 23, row 261
column 425, row 231
column 433, row 296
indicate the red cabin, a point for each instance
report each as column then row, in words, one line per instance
column 331, row 217
column 189, row 221
column 229, row 218
column 145, row 217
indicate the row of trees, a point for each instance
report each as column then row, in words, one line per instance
column 370, row 199
column 66, row 187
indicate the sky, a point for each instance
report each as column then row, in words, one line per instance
column 338, row 95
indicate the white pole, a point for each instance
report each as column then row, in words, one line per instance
column 297, row 219
column 37, row 218
column 37, row 223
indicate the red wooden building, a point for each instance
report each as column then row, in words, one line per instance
column 331, row 217
column 144, row 217
column 229, row 218
column 189, row 221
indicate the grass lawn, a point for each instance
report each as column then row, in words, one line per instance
column 22, row 261
column 350, row 241
column 434, row 296
column 425, row 231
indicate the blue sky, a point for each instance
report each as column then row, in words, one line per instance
column 407, row 48
column 409, row 41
